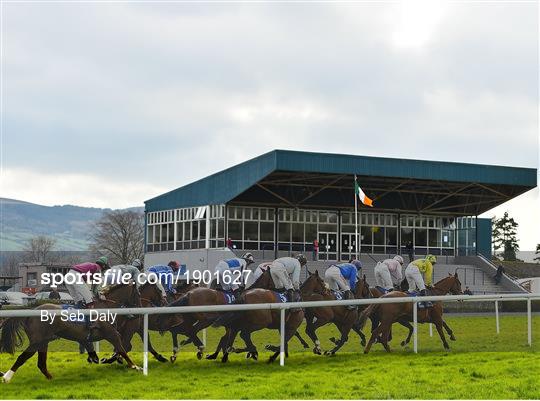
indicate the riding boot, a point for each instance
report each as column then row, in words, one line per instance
column 347, row 295
column 290, row 295
column 426, row 304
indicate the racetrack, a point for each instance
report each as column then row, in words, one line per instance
column 481, row 365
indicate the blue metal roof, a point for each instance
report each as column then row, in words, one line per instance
column 228, row 184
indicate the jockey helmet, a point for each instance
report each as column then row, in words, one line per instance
column 137, row 263
column 302, row 259
column 102, row 261
column 399, row 259
column 432, row 259
column 248, row 257
column 173, row 264
column 357, row 264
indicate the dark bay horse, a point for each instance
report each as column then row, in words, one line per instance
column 390, row 313
column 40, row 333
column 314, row 289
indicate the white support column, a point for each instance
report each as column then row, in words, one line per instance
column 96, row 346
column 204, row 337
column 207, row 237
column 529, row 323
column 497, row 316
column 415, row 327
column 282, row 338
column 431, row 330
column 145, row 345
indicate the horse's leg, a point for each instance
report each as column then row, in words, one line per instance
column 409, row 326
column 437, row 320
column 374, row 335
column 21, row 359
column 344, row 331
column 251, row 348
column 110, row 334
column 229, row 343
column 311, row 328
column 386, row 336
column 288, row 335
column 449, row 331
column 174, row 336
column 302, row 341
column 42, row 361
column 92, row 354
column 360, row 334
column 156, row 354
column 220, row 346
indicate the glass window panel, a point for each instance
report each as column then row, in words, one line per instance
column 255, row 214
column 298, row 232
column 195, row 230
column 311, row 232
column 248, row 213
column 221, row 228
column 366, row 235
column 323, row 217
column 332, row 218
column 164, row 233
column 378, row 235
column 267, row 231
column 213, row 224
column 187, row 231
column 235, row 230
column 447, row 238
column 314, row 217
column 329, row 228
column 171, row 232
column 202, row 229
column 345, row 218
column 284, row 232
column 406, row 236
column 420, row 237
column 375, row 219
column 150, row 235
column 391, row 236
column 251, row 231
column 281, row 214
column 434, row 238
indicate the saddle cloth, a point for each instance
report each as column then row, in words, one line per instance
column 280, row 297
column 338, row 295
column 229, row 297
column 383, row 290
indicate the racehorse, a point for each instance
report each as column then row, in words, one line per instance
column 40, row 333
column 247, row 322
column 390, row 313
column 314, row 289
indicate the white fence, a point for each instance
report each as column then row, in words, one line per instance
column 284, row 306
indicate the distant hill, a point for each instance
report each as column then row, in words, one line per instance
column 68, row 224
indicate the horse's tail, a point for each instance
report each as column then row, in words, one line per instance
column 12, row 336
column 367, row 313
column 229, row 317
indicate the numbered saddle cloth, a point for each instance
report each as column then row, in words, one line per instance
column 280, row 297
column 71, row 317
column 412, row 293
column 229, row 297
column 338, row 295
column 383, row 290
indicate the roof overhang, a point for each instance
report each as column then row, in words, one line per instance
column 319, row 180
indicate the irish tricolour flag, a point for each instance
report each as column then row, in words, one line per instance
column 361, row 195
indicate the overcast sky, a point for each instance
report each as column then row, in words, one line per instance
column 108, row 105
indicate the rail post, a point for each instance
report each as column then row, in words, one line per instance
column 145, row 344
column 529, row 323
column 431, row 330
column 497, row 316
column 415, row 327
column 96, row 346
column 282, row 337
column 204, row 337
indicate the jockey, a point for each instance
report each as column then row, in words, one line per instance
column 166, row 276
column 76, row 278
column 259, row 270
column 388, row 273
column 285, row 273
column 223, row 271
column 343, row 277
column 118, row 275
column 414, row 271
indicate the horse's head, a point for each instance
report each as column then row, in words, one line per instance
column 313, row 284
column 151, row 294
column 362, row 288
column 264, row 280
column 449, row 285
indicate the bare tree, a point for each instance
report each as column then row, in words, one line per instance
column 38, row 249
column 119, row 234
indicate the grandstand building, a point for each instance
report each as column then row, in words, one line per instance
column 280, row 202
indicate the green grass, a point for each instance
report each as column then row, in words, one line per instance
column 481, row 365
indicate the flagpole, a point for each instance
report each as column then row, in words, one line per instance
column 356, row 219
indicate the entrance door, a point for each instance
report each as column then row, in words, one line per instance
column 348, row 248
column 327, row 246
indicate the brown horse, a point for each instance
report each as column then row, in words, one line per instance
column 314, row 289
column 195, row 322
column 390, row 313
column 247, row 322
column 40, row 333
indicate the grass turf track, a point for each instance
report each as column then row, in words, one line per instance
column 481, row 365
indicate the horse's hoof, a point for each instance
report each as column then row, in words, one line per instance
column 225, row 358
column 248, row 355
column 317, row 351
column 161, row 358
column 1, row 374
column 211, row 356
column 137, row 368
column 329, row 353
column 199, row 355
column 403, row 343
column 255, row 355
column 173, row 358
column 104, row 361
column 452, row 338
column 120, row 360
column 48, row 376
column 333, row 340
